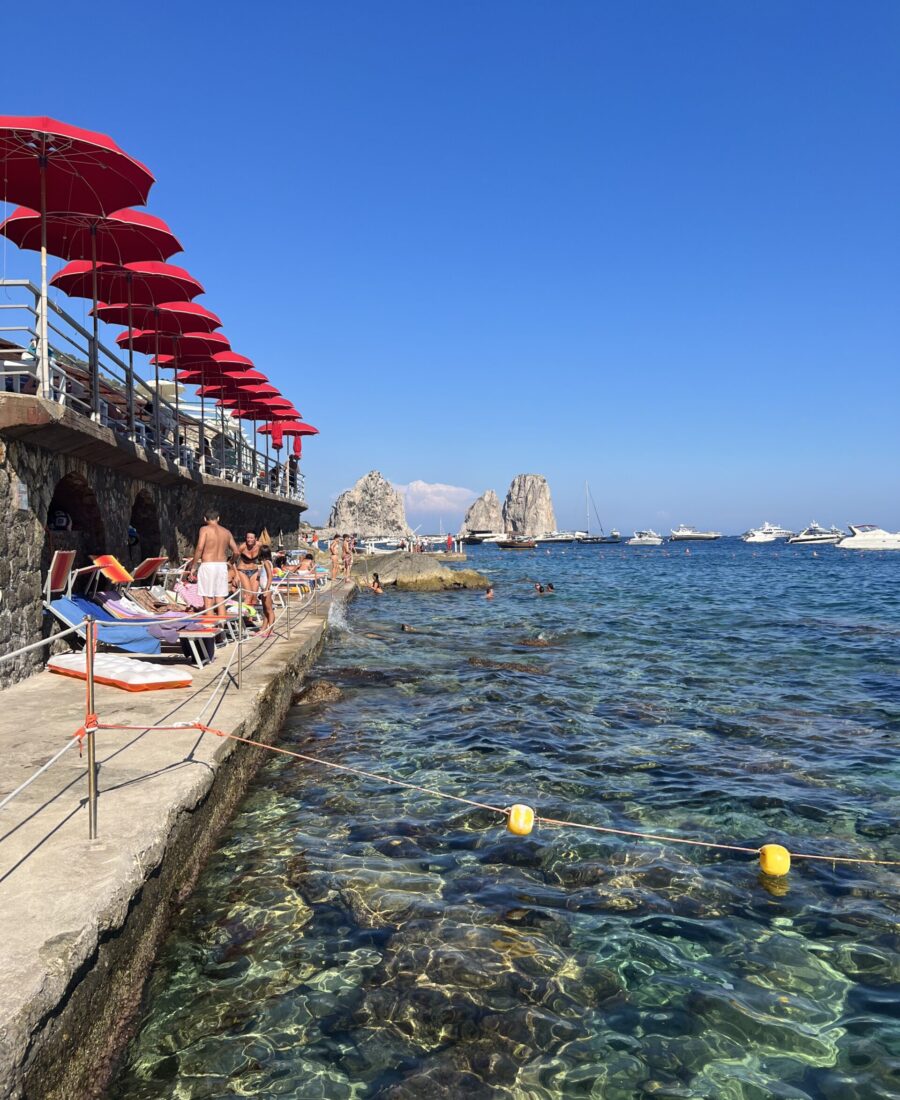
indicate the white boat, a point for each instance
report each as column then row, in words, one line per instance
column 683, row 533
column 645, row 538
column 866, row 536
column 769, row 532
column 556, row 536
column 815, row 535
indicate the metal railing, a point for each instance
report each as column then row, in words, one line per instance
column 96, row 383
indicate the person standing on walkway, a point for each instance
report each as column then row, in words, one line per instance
column 347, row 556
column 334, row 549
column 213, row 547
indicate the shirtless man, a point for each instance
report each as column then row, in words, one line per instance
column 334, row 549
column 213, row 547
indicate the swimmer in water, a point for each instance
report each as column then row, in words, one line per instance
column 489, row 595
column 551, row 591
column 376, row 585
column 539, row 588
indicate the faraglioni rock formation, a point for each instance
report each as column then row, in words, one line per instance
column 528, row 509
column 483, row 515
column 372, row 508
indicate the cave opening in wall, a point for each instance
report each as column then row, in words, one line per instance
column 144, row 535
column 74, row 521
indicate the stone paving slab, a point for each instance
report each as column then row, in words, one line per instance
column 61, row 893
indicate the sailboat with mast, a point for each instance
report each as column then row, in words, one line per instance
column 602, row 538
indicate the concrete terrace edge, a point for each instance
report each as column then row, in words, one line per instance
column 76, row 1047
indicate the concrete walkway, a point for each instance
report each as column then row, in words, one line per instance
column 64, row 898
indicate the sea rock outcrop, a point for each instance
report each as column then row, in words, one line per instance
column 372, row 508
column 484, row 514
column 417, row 573
column 528, row 509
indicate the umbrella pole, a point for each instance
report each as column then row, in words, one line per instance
column 44, row 352
column 202, row 426
column 268, row 486
column 222, row 410
column 156, row 397
column 129, row 382
column 178, row 454
column 95, row 357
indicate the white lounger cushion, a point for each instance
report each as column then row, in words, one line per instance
column 121, row 672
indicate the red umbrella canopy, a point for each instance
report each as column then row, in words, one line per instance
column 151, row 341
column 232, row 359
column 120, row 237
column 296, row 428
column 144, row 283
column 167, row 316
column 256, row 390
column 82, row 169
column 289, row 427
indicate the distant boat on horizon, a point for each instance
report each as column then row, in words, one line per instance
column 684, row 533
column 595, row 540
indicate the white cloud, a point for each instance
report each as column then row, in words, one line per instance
column 435, row 498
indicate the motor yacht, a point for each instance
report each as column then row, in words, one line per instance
column 815, row 534
column 556, row 537
column 645, row 538
column 769, row 532
column 866, row 536
column 683, row 533
column 602, row 540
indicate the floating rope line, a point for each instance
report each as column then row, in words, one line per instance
column 508, row 812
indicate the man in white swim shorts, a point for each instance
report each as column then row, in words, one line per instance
column 213, row 547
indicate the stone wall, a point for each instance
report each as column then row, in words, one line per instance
column 102, row 503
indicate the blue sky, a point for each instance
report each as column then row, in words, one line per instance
column 652, row 245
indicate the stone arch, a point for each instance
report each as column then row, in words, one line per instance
column 74, row 521
column 146, row 541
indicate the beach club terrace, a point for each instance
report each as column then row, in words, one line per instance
column 116, row 443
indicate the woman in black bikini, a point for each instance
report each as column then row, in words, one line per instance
column 248, row 567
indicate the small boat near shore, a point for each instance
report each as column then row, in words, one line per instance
column 866, row 536
column 645, row 538
column 684, row 533
column 516, row 544
column 556, row 537
column 816, row 535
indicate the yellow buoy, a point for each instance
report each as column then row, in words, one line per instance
column 774, row 860
column 520, row 820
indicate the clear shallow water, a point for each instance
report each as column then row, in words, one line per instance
column 350, row 939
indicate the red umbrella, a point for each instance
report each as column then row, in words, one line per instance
column 171, row 317
column 54, row 166
column 296, row 428
column 156, row 342
column 121, row 237
column 144, row 283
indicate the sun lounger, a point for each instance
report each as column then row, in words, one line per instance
column 132, row 639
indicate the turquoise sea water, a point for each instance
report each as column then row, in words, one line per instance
column 350, row 939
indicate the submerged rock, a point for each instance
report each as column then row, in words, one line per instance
column 318, row 691
column 506, row 666
column 536, row 643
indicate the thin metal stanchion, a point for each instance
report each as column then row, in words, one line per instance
column 90, row 634
column 240, row 642
column 287, row 606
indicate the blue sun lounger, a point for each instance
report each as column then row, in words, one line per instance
column 132, row 639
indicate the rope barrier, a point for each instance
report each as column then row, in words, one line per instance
column 38, row 645
column 502, row 811
column 21, row 787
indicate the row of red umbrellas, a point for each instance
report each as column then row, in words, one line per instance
column 83, row 186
